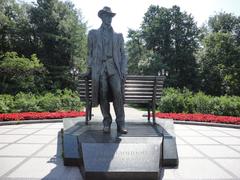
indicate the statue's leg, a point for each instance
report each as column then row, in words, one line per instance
column 115, row 83
column 104, row 103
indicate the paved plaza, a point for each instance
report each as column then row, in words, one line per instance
column 34, row 151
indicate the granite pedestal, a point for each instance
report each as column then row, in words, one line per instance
column 136, row 155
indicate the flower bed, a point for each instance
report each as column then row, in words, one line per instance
column 39, row 115
column 200, row 117
column 176, row 116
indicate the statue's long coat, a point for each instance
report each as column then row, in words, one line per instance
column 95, row 59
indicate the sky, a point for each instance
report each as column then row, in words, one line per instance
column 130, row 13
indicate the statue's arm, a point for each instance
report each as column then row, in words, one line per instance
column 90, row 49
column 124, row 67
column 89, row 54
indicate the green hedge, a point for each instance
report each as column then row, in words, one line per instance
column 61, row 100
column 184, row 101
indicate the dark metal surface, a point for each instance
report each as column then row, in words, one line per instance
column 120, row 156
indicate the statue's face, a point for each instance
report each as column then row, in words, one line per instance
column 106, row 19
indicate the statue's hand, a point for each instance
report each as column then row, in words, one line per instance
column 124, row 78
column 86, row 74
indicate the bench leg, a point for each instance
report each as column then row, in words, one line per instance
column 90, row 111
column 87, row 115
column 153, row 113
column 149, row 112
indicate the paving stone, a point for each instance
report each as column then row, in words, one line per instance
column 11, row 126
column 199, row 140
column 56, row 126
column 48, row 132
column 37, row 139
column 58, row 140
column 36, row 126
column 3, row 131
column 188, row 151
column 214, row 133
column 20, row 149
column 232, row 165
column 196, row 169
column 236, row 148
column 222, row 163
column 46, row 168
column 7, row 163
column 219, row 151
column 183, row 133
column 22, row 131
column 10, row 138
column 201, row 128
column 226, row 129
column 228, row 140
column 51, row 151
column 181, row 127
column 179, row 141
column 2, row 145
column 233, row 133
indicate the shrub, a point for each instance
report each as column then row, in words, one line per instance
column 25, row 103
column 175, row 100
column 201, row 103
column 50, row 102
column 61, row 100
column 6, row 103
column 18, row 73
column 172, row 101
column 228, row 106
column 70, row 101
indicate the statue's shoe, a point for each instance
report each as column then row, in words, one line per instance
column 106, row 129
column 122, row 130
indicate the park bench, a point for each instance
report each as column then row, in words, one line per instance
column 137, row 90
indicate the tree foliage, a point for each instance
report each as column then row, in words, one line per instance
column 223, row 22
column 139, row 57
column 52, row 29
column 15, row 29
column 62, row 37
column 219, row 56
column 170, row 39
column 18, row 73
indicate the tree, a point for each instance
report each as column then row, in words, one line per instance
column 226, row 23
column 15, row 29
column 219, row 56
column 52, row 29
column 61, row 38
column 171, row 37
column 18, row 73
column 220, row 64
column 139, row 57
column 223, row 22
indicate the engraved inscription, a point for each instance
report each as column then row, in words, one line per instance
column 122, row 156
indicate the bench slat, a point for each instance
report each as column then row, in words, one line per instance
column 137, row 88
column 143, row 82
column 140, row 97
column 133, row 77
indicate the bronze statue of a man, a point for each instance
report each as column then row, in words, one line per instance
column 107, row 64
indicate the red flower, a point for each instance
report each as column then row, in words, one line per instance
column 200, row 117
column 39, row 115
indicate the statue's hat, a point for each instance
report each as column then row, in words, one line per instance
column 106, row 10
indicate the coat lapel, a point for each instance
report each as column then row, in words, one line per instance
column 116, row 57
column 99, row 43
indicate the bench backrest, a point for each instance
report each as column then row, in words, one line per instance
column 138, row 89
column 142, row 89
